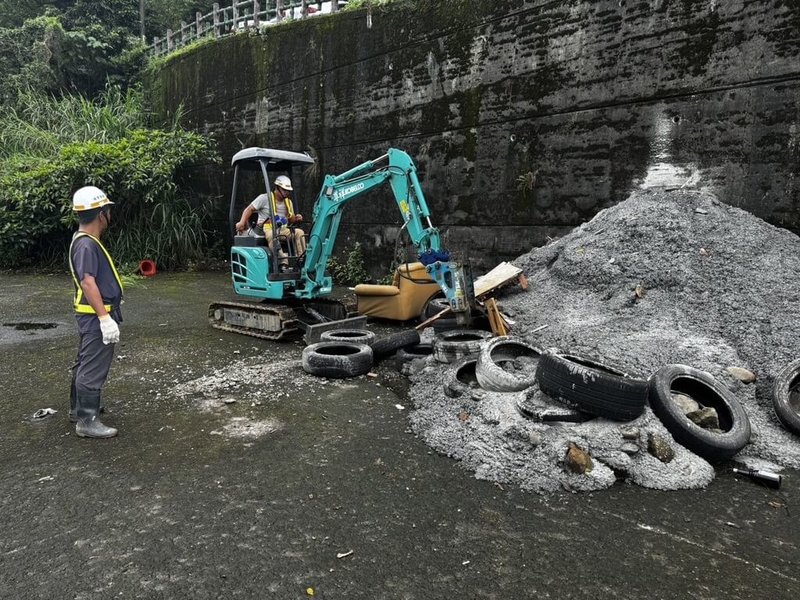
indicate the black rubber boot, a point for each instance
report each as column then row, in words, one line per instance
column 73, row 411
column 88, row 411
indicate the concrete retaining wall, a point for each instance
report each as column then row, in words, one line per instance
column 525, row 117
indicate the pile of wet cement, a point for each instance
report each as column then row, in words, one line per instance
column 719, row 288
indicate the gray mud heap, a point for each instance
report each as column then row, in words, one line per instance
column 718, row 288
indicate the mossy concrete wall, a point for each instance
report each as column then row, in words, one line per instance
column 525, row 117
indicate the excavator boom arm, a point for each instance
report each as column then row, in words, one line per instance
column 396, row 168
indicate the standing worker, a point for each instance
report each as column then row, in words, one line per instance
column 98, row 295
column 281, row 207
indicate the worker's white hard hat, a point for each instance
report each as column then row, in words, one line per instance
column 89, row 197
column 282, row 181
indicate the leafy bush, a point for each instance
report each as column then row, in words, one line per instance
column 44, row 160
column 352, row 271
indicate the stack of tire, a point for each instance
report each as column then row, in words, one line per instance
column 347, row 353
column 600, row 390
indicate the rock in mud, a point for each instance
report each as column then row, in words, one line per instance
column 743, row 375
column 706, row 417
column 578, row 461
column 660, row 447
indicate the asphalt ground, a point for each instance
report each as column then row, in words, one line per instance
column 170, row 510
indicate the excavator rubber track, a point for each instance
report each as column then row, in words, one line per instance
column 273, row 321
column 264, row 321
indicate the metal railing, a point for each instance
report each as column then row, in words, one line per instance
column 239, row 16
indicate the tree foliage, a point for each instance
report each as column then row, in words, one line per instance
column 103, row 143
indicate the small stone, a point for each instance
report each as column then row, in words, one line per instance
column 477, row 396
column 703, row 252
column 706, row 417
column 743, row 375
column 660, row 447
column 578, row 461
column 630, row 433
column 685, row 403
column 701, row 211
column 463, row 416
column 229, row 400
column 638, row 291
column 629, row 448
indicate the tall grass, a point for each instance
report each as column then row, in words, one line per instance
column 40, row 124
column 57, row 144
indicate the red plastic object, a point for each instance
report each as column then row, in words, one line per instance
column 147, row 268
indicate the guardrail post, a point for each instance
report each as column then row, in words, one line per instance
column 303, row 9
column 216, row 20
column 256, row 10
column 235, row 8
column 183, row 32
column 170, row 45
column 278, row 11
column 155, row 47
column 198, row 24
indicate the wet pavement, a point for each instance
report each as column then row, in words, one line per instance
column 333, row 495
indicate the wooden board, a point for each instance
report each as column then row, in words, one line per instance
column 499, row 276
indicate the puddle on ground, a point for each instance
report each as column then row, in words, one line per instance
column 30, row 326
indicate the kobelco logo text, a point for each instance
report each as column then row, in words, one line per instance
column 348, row 190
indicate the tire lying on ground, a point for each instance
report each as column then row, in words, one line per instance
column 406, row 356
column 446, row 323
column 337, row 360
column 786, row 396
column 353, row 336
column 591, row 386
column 507, row 352
column 461, row 378
column 410, row 353
column 388, row 345
column 450, row 346
column 734, row 431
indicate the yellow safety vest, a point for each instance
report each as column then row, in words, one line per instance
column 289, row 208
column 81, row 305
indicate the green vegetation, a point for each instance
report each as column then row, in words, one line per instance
column 352, row 271
column 52, row 146
column 356, row 4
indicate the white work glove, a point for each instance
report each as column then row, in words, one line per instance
column 110, row 330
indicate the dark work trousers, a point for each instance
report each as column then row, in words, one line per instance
column 93, row 362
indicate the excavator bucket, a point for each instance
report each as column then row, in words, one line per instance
column 315, row 317
column 314, row 332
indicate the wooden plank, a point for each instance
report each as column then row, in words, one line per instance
column 429, row 321
column 502, row 274
column 495, row 318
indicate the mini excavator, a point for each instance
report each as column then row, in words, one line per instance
column 280, row 302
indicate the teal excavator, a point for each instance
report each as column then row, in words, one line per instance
column 297, row 299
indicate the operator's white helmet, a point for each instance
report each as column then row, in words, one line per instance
column 282, row 181
column 89, row 197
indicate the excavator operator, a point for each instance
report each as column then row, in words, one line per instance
column 283, row 211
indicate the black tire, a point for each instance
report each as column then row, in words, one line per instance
column 388, row 345
column 410, row 359
column 591, row 386
column 434, row 306
column 337, row 360
column 352, row 336
column 461, row 378
column 450, row 346
column 409, row 353
column 494, row 353
column 786, row 396
column 706, row 391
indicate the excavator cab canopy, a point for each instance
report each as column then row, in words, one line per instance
column 254, row 169
column 277, row 160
